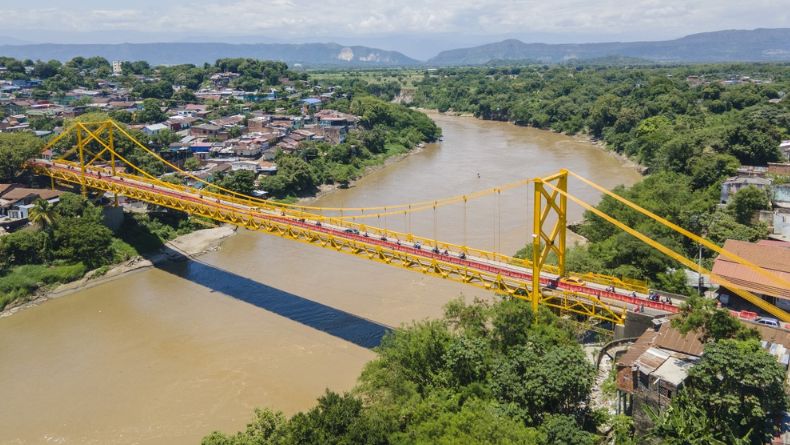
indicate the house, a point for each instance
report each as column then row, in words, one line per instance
column 206, row 130
column 771, row 256
column 334, row 118
column 16, row 200
column 245, row 165
column 331, row 135
column 178, row 122
column 229, row 121
column 245, row 147
column 653, row 369
column 267, row 167
column 779, row 168
column 732, row 185
column 784, row 147
column 258, row 123
column 780, row 196
column 306, row 135
column 153, row 129
column 312, row 102
column 194, row 110
column 655, row 366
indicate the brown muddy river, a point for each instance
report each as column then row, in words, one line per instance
column 165, row 356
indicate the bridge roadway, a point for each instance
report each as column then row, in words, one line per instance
column 96, row 176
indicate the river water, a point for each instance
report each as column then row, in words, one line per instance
column 168, row 355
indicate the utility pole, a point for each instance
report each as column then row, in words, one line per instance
column 700, row 279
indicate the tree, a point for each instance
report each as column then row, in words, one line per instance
column 707, row 169
column 294, row 177
column 738, row 387
column 700, row 315
column 42, row 214
column 157, row 90
column 563, row 430
column 746, row 202
column 240, row 181
column 531, row 383
column 266, row 427
column 234, row 131
column 192, row 164
column 151, row 112
column 443, row 419
column 71, row 205
column 15, row 150
column 83, row 239
column 686, row 423
column 333, row 421
column 23, row 247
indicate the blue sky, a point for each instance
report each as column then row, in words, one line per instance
column 386, row 23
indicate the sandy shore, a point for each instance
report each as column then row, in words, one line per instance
column 186, row 246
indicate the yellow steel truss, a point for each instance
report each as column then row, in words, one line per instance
column 95, row 145
column 287, row 228
column 544, row 242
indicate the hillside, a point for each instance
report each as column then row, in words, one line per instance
column 309, row 54
column 760, row 45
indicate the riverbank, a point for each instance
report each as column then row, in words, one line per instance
column 181, row 248
column 325, row 189
column 582, row 137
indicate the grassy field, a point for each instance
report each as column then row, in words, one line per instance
column 23, row 281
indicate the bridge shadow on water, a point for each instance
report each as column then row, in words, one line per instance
column 341, row 324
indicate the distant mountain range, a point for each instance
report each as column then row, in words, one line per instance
column 759, row 45
column 312, row 54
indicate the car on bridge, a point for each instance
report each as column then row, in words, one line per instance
column 573, row 281
column 767, row 321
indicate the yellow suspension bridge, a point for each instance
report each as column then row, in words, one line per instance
column 94, row 156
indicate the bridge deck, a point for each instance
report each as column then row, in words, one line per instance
column 497, row 272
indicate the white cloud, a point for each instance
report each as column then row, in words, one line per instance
column 303, row 18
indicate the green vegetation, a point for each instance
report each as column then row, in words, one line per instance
column 386, row 129
column 15, row 150
column 22, row 281
column 491, row 373
column 69, row 238
column 485, row 373
column 735, row 395
column 689, row 137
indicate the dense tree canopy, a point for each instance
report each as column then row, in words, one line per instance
column 689, row 137
column 453, row 381
column 15, row 149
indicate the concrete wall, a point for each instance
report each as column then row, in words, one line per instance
column 112, row 217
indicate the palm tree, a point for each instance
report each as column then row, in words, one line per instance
column 42, row 214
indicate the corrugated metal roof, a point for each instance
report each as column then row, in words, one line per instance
column 651, row 359
column 775, row 259
column 671, row 339
column 638, row 348
column 773, row 335
column 674, row 370
column 773, row 242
